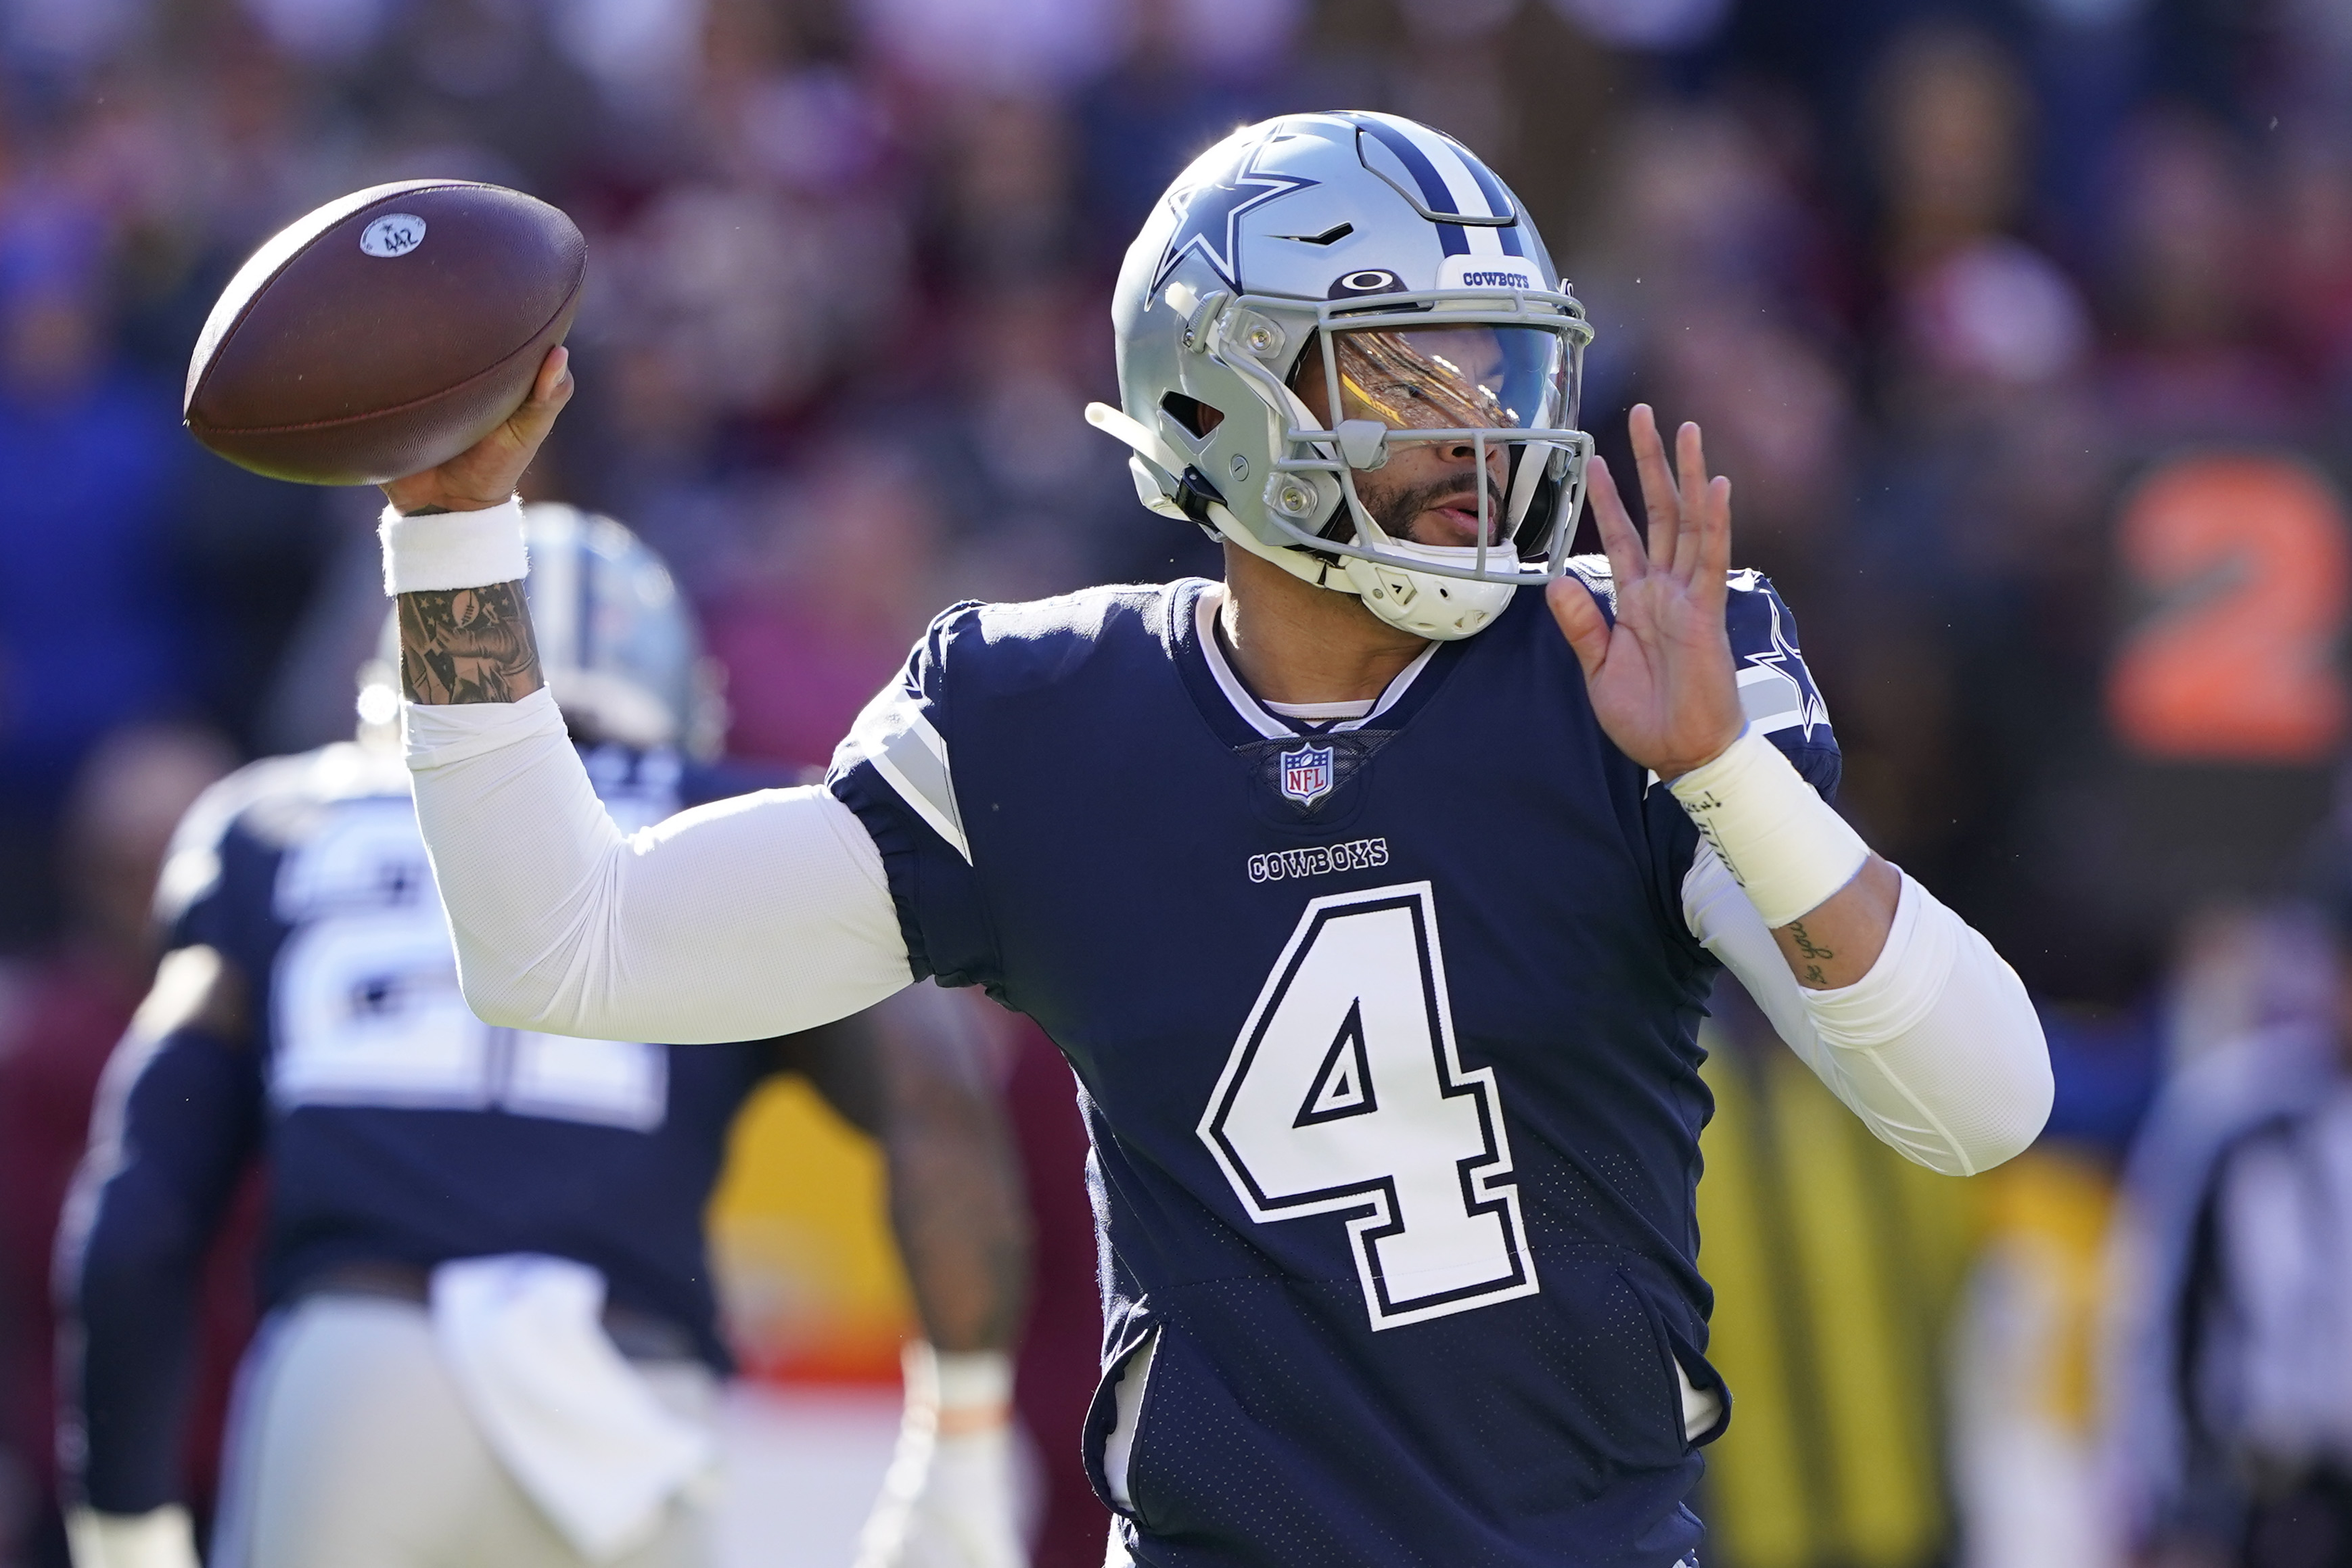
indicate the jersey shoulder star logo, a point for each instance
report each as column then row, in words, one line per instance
column 1783, row 657
column 1210, row 214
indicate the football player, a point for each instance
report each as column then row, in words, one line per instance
column 491, row 1335
column 1374, row 892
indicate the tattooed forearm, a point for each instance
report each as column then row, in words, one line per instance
column 1815, row 955
column 469, row 645
column 1836, row 944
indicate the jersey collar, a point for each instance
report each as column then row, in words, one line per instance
column 1238, row 716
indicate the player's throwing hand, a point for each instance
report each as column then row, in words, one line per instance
column 1660, row 676
column 485, row 474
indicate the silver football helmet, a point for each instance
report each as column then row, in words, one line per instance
column 1380, row 262
column 620, row 646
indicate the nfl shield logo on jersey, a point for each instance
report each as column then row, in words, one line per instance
column 1306, row 774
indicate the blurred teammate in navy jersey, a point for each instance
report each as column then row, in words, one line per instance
column 491, row 1335
column 1373, row 897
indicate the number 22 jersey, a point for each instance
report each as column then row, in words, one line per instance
column 1385, row 1035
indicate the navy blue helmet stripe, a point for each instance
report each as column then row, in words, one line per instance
column 1433, row 189
column 1496, row 203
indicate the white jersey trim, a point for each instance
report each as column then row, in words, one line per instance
column 1257, row 714
column 912, row 755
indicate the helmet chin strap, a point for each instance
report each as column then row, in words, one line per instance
column 1442, row 609
column 1323, row 571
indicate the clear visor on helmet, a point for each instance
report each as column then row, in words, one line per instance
column 1474, row 423
column 1425, row 381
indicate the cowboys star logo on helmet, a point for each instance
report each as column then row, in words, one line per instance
column 1381, row 268
column 1212, row 214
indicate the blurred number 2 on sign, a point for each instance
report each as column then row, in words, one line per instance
column 2243, row 561
column 395, row 234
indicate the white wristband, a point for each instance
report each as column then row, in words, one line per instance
column 957, row 1380
column 159, row 1538
column 445, row 549
column 1781, row 841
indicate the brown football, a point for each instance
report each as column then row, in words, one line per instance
column 385, row 332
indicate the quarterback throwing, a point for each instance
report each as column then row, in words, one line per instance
column 1374, row 893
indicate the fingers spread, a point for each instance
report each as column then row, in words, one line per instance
column 1690, row 458
column 1714, row 546
column 1659, row 498
column 1626, row 559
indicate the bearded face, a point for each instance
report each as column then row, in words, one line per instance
column 1435, row 388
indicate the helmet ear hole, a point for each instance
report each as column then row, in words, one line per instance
column 1196, row 417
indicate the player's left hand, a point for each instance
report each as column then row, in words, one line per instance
column 1660, row 676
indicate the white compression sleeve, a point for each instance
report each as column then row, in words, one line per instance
column 1937, row 1048
column 757, row 916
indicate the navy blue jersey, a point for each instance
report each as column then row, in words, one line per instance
column 1385, row 1035
column 397, row 1126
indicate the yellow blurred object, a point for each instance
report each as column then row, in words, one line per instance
column 800, row 1240
column 1835, row 1263
column 2058, row 1205
column 2025, row 1440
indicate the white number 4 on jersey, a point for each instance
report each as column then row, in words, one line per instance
column 1344, row 1095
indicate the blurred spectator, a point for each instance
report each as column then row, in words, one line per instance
column 1658, row 25
column 1979, row 315
column 1046, row 502
column 1712, row 291
column 91, row 633
column 1006, row 180
column 2189, row 267
column 1029, row 47
column 2023, row 1424
column 1196, row 69
column 60, row 1015
column 2311, row 306
column 824, row 612
column 2231, row 1429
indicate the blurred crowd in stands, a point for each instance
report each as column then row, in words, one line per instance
column 2025, row 328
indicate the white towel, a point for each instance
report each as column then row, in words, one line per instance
column 574, row 1423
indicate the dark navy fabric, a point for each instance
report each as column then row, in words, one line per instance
column 130, row 1363
column 411, row 1172
column 1138, row 882
column 396, row 1126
